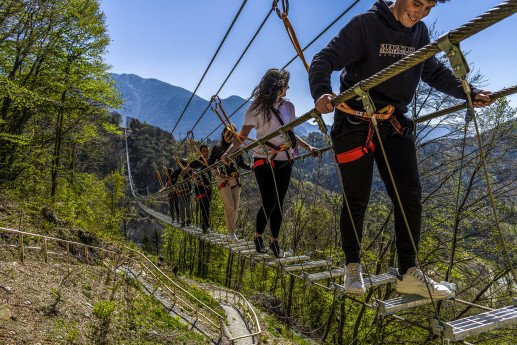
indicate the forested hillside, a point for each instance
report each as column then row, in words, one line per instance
column 161, row 104
column 59, row 145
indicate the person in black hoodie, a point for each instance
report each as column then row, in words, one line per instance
column 228, row 181
column 367, row 44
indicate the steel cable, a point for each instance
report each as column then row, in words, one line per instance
column 210, row 64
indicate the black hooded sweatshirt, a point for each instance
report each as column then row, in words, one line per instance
column 370, row 42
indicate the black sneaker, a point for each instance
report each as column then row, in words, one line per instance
column 277, row 252
column 259, row 245
column 188, row 222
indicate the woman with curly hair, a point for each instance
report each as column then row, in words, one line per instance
column 272, row 167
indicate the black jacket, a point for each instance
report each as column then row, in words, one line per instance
column 196, row 167
column 370, row 42
column 173, row 176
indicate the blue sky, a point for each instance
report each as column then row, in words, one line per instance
column 174, row 41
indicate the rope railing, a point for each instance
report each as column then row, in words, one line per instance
column 496, row 95
column 220, row 164
column 487, row 19
column 473, row 27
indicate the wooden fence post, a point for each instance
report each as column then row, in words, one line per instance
column 44, row 245
column 22, row 259
column 86, row 254
column 67, row 252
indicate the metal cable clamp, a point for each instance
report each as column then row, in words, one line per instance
column 459, row 64
column 368, row 105
column 319, row 120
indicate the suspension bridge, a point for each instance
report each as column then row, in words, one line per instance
column 326, row 273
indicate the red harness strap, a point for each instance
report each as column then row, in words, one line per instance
column 200, row 196
column 262, row 161
column 352, row 155
column 358, row 152
column 224, row 184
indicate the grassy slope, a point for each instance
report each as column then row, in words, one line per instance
column 79, row 304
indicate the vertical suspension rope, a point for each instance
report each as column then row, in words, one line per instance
column 457, row 206
column 489, row 187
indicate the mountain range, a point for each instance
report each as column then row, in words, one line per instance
column 160, row 104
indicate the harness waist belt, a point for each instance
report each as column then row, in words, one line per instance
column 263, row 161
column 352, row 155
column 383, row 114
column 200, row 196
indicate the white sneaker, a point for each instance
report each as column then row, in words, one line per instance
column 354, row 279
column 414, row 282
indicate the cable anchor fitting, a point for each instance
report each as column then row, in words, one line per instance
column 287, row 140
column 285, row 8
column 368, row 105
column 319, row 120
column 458, row 62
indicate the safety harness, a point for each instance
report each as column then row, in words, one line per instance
column 385, row 114
column 262, row 161
column 232, row 175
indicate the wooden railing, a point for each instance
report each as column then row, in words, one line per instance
column 249, row 314
column 179, row 294
column 83, row 248
column 213, row 317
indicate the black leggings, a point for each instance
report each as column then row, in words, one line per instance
column 272, row 203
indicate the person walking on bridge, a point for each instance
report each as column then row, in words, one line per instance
column 228, row 180
column 367, row 44
column 202, row 185
column 172, row 178
column 273, row 166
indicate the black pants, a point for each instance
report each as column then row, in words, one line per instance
column 204, row 198
column 272, row 202
column 173, row 206
column 350, row 133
